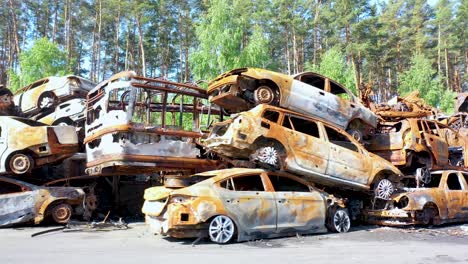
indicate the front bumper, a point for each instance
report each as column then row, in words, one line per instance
column 394, row 217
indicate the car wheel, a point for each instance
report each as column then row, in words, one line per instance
column 221, row 229
column 47, row 101
column 264, row 95
column 21, row 163
column 267, row 157
column 384, row 189
column 61, row 213
column 356, row 134
column 339, row 220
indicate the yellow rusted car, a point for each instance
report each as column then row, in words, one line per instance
column 242, row 204
column 443, row 199
column 313, row 148
column 46, row 93
column 21, row 202
column 25, row 144
column 308, row 93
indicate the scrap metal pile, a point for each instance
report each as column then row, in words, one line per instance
column 258, row 154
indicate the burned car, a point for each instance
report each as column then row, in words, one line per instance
column 308, row 93
column 243, row 204
column 136, row 125
column 443, row 198
column 410, row 106
column 21, row 202
column 46, row 93
column 313, row 148
column 71, row 113
column 413, row 143
column 25, row 144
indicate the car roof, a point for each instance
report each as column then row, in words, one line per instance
column 12, row 180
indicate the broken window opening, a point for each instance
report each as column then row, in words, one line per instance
column 304, row 126
column 285, row 184
column 339, row 139
column 435, row 181
column 271, row 115
column 250, row 183
column 7, row 188
column 453, row 182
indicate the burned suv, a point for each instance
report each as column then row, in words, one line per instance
column 308, row 93
column 282, row 139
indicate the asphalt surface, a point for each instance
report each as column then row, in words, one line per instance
column 364, row 244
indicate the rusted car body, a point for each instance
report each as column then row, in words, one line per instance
column 136, row 124
column 48, row 92
column 310, row 147
column 443, row 200
column 308, row 93
column 25, row 144
column 411, row 106
column 243, row 204
column 413, row 143
column 22, row 202
column 71, row 112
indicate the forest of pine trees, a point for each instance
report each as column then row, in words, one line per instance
column 394, row 46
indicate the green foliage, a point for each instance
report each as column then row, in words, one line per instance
column 420, row 76
column 43, row 59
column 228, row 38
column 334, row 66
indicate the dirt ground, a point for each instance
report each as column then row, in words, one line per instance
column 364, row 244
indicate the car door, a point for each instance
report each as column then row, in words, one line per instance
column 434, row 142
column 300, row 208
column 455, row 193
column 16, row 203
column 308, row 148
column 464, row 176
column 246, row 200
column 347, row 162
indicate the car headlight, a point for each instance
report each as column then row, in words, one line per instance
column 402, row 203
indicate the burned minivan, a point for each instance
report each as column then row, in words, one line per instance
column 136, row 125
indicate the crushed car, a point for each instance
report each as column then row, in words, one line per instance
column 141, row 125
column 243, row 204
column 410, row 106
column 442, row 198
column 317, row 150
column 26, row 144
column 413, row 143
column 48, row 92
column 308, row 93
column 22, row 202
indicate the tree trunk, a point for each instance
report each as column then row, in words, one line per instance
column 316, row 19
column 142, row 49
column 15, row 28
column 117, row 44
column 447, row 64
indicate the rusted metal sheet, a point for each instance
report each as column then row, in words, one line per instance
column 26, row 143
column 310, row 147
column 255, row 212
column 413, row 143
column 442, row 199
column 136, row 124
column 461, row 103
column 47, row 93
column 22, row 202
column 308, row 93
column 411, row 106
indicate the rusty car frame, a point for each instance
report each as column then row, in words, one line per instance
column 136, row 124
column 308, row 93
column 243, row 204
column 46, row 93
column 313, row 148
column 26, row 144
column 22, row 202
column 442, row 199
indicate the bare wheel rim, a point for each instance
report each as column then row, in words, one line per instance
column 221, row 229
column 264, row 95
column 268, row 155
column 20, row 163
column 62, row 213
column 46, row 102
column 341, row 221
column 384, row 189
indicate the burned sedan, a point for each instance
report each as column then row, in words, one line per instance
column 22, row 202
column 320, row 152
column 71, row 113
column 442, row 199
column 243, row 204
column 25, row 144
column 48, row 92
column 308, row 93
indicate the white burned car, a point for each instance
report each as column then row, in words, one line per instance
column 25, row 143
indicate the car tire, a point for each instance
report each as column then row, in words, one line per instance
column 61, row 213
column 356, row 134
column 221, row 229
column 384, row 189
column 267, row 157
column 264, row 95
column 47, row 101
column 20, row 163
column 338, row 220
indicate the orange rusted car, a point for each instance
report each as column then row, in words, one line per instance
column 243, row 204
column 313, row 148
column 308, row 93
column 444, row 199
